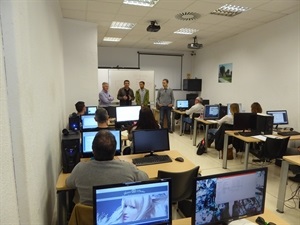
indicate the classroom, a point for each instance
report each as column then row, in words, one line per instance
column 49, row 62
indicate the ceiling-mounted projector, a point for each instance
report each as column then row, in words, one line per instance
column 195, row 45
column 152, row 27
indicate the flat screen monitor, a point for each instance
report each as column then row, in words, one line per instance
column 221, row 198
column 182, row 104
column 90, row 110
column 228, row 108
column 111, row 110
column 280, row 117
column 88, row 122
column 244, row 121
column 211, row 112
column 87, row 137
column 150, row 141
column 146, row 202
column 127, row 113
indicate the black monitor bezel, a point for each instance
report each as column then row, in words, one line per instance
column 136, row 184
column 282, row 110
column 163, row 131
column 124, row 121
column 235, row 173
column 186, row 100
column 90, row 154
column 87, row 110
column 244, row 116
column 88, row 116
column 211, row 117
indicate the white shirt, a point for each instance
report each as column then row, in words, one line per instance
column 197, row 108
column 228, row 119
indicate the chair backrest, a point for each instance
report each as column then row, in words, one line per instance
column 181, row 182
column 219, row 136
column 81, row 215
column 274, row 148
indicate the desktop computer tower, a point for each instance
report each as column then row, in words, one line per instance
column 264, row 124
column 74, row 122
column 70, row 149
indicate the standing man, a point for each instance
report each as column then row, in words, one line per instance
column 125, row 94
column 142, row 95
column 105, row 98
column 165, row 100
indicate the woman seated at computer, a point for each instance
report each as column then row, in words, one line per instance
column 146, row 122
column 227, row 119
column 256, row 107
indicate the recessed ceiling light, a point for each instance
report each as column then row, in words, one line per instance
column 187, row 16
column 230, row 10
column 122, row 25
column 146, row 3
column 185, row 31
column 113, row 39
column 162, row 42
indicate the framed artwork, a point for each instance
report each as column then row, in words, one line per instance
column 225, row 73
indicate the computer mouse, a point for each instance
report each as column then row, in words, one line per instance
column 179, row 159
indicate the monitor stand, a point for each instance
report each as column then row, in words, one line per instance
column 150, row 154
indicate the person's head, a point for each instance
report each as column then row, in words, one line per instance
column 198, row 100
column 80, row 107
column 165, row 83
column 105, row 86
column 234, row 108
column 136, row 208
column 256, row 107
column 146, row 119
column 126, row 84
column 104, row 145
column 142, row 84
column 101, row 116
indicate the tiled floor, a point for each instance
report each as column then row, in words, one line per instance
column 210, row 164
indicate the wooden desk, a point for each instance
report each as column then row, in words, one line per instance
column 207, row 124
column 247, row 141
column 295, row 160
column 151, row 170
column 268, row 216
column 180, row 121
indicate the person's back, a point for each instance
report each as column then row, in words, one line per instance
column 103, row 169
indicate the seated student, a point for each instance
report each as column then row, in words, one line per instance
column 196, row 108
column 85, row 175
column 146, row 121
column 80, row 108
column 256, row 107
column 228, row 119
column 101, row 116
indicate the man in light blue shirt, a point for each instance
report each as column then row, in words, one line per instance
column 105, row 98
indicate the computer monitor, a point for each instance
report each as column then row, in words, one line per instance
column 87, row 137
column 90, row 110
column 150, row 141
column 111, row 110
column 144, row 202
column 127, row 113
column 211, row 112
column 182, row 104
column 221, row 198
column 88, row 122
column 244, row 121
column 280, row 117
column 228, row 108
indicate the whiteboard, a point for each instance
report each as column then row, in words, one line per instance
column 116, row 77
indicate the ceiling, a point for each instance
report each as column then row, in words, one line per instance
column 212, row 28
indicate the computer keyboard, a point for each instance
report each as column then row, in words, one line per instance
column 288, row 133
column 149, row 160
column 248, row 133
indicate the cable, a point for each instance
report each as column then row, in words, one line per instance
column 294, row 197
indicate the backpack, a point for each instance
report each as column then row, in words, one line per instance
column 201, row 147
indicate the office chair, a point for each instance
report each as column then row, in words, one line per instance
column 81, row 215
column 182, row 183
column 272, row 148
column 191, row 125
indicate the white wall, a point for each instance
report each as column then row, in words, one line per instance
column 32, row 110
column 113, row 56
column 265, row 68
column 81, row 68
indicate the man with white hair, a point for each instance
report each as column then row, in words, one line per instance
column 196, row 108
column 105, row 98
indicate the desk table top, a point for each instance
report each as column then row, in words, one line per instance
column 207, row 122
column 293, row 159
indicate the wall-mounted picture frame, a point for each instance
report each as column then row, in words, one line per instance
column 225, row 73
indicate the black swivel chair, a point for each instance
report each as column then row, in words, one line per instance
column 272, row 148
column 191, row 125
column 182, row 183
